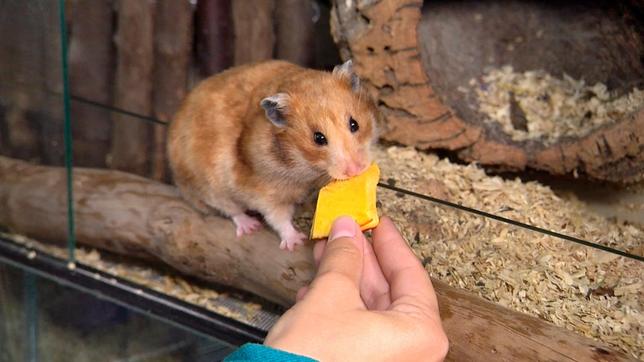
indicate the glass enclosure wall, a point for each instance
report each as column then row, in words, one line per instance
column 43, row 320
column 95, row 85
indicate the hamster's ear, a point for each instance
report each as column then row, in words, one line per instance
column 275, row 107
column 346, row 71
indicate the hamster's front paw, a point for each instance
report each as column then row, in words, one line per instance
column 289, row 242
column 246, row 225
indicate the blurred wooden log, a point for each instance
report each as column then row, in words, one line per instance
column 214, row 36
column 91, row 61
column 136, row 216
column 172, row 54
column 254, row 35
column 131, row 215
column 396, row 50
column 479, row 330
column 294, row 31
column 130, row 148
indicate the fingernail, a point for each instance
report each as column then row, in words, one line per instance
column 343, row 227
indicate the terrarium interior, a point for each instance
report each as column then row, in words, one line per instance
column 550, row 92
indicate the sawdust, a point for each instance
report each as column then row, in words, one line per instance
column 591, row 292
column 535, row 105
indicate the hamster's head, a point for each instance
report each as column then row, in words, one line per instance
column 325, row 120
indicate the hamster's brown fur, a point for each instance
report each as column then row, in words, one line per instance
column 244, row 140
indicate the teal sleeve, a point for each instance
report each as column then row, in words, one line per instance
column 251, row 352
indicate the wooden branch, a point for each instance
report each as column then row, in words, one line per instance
column 396, row 46
column 90, row 76
column 294, row 31
column 254, row 35
column 133, row 86
column 214, row 36
column 131, row 215
column 172, row 53
column 479, row 330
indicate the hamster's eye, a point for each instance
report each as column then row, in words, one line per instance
column 353, row 125
column 320, row 138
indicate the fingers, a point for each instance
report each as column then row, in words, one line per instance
column 407, row 278
column 374, row 289
column 318, row 250
column 301, row 293
column 343, row 253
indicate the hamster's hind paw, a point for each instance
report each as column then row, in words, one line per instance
column 290, row 241
column 246, row 225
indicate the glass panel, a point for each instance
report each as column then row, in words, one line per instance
column 46, row 321
column 33, row 118
column 490, row 235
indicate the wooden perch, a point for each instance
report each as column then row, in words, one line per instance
column 131, row 215
column 136, row 216
column 413, row 56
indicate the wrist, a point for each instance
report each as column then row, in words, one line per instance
column 296, row 344
column 257, row 352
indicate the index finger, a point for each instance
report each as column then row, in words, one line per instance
column 341, row 260
column 374, row 288
column 408, row 280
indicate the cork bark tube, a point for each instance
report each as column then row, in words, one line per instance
column 388, row 43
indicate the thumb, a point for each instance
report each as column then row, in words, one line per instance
column 343, row 253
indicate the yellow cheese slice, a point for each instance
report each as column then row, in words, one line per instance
column 355, row 197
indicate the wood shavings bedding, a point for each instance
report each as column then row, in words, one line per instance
column 534, row 105
column 592, row 292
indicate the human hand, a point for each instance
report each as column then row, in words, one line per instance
column 366, row 302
